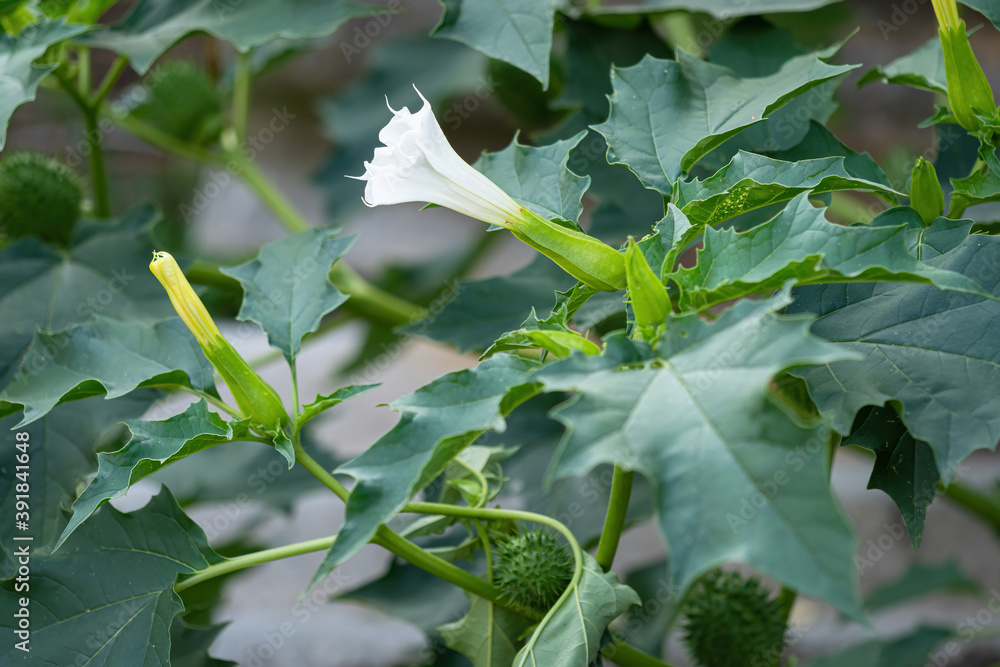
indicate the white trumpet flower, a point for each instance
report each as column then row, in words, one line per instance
column 417, row 164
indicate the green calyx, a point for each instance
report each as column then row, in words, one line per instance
column 926, row 196
column 39, row 196
column 179, row 99
column 587, row 259
column 969, row 93
column 254, row 397
column 731, row 622
column 532, row 569
column 650, row 302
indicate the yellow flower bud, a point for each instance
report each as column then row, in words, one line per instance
column 255, row 397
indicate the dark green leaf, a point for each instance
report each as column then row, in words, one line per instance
column 287, row 289
column 645, row 626
column 667, row 115
column 904, row 467
column 979, row 188
column 189, row 646
column 752, row 181
column 723, row 9
column 988, row 8
column 920, row 580
column 819, row 142
column 911, row 650
column 800, row 244
column 516, row 31
column 154, row 26
column 109, row 357
column 483, row 310
column 19, row 78
column 438, row 421
column 154, row 445
column 932, row 352
column 488, row 635
column 107, row 596
column 735, row 478
column 105, row 272
column 61, row 447
column 538, row 178
column 571, row 634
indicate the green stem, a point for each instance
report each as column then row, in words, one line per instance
column 295, row 392
column 614, row 521
column 168, row 144
column 975, row 502
column 98, row 177
column 317, row 470
column 256, row 558
column 371, row 300
column 83, row 71
column 108, row 82
column 241, row 96
column 269, row 195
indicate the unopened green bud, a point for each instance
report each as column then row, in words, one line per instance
column 650, row 302
column 587, row 259
column 926, row 196
column 969, row 91
column 254, row 397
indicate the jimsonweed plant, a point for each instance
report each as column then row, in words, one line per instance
column 723, row 297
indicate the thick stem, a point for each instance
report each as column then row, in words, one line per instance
column 98, row 177
column 371, row 300
column 168, row 144
column 249, row 560
column 108, row 82
column 269, row 195
column 614, row 521
column 317, row 470
column 241, row 96
column 975, row 502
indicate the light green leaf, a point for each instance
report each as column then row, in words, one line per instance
column 154, row 445
column 324, row 403
column 570, row 634
column 735, row 479
column 480, row 311
column 800, row 244
column 724, row 9
column 109, row 357
column 488, row 635
column 666, row 115
column 910, row 650
column 551, row 334
column 438, row 421
column 19, row 78
column 285, row 447
column 924, row 68
column 106, row 272
column 538, row 178
column 920, row 580
column 979, row 188
column 516, row 31
column 819, row 142
column 287, row 289
column 107, row 596
column 154, row 26
column 904, row 467
column 934, row 353
column 752, row 181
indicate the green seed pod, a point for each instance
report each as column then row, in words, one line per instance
column 926, row 196
column 731, row 622
column 181, row 100
column 587, row 259
column 39, row 196
column 650, row 302
column 532, row 569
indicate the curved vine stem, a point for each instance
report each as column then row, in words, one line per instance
column 614, row 521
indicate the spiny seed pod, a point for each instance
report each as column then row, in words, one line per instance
column 39, row 196
column 731, row 622
column 532, row 569
column 182, row 101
